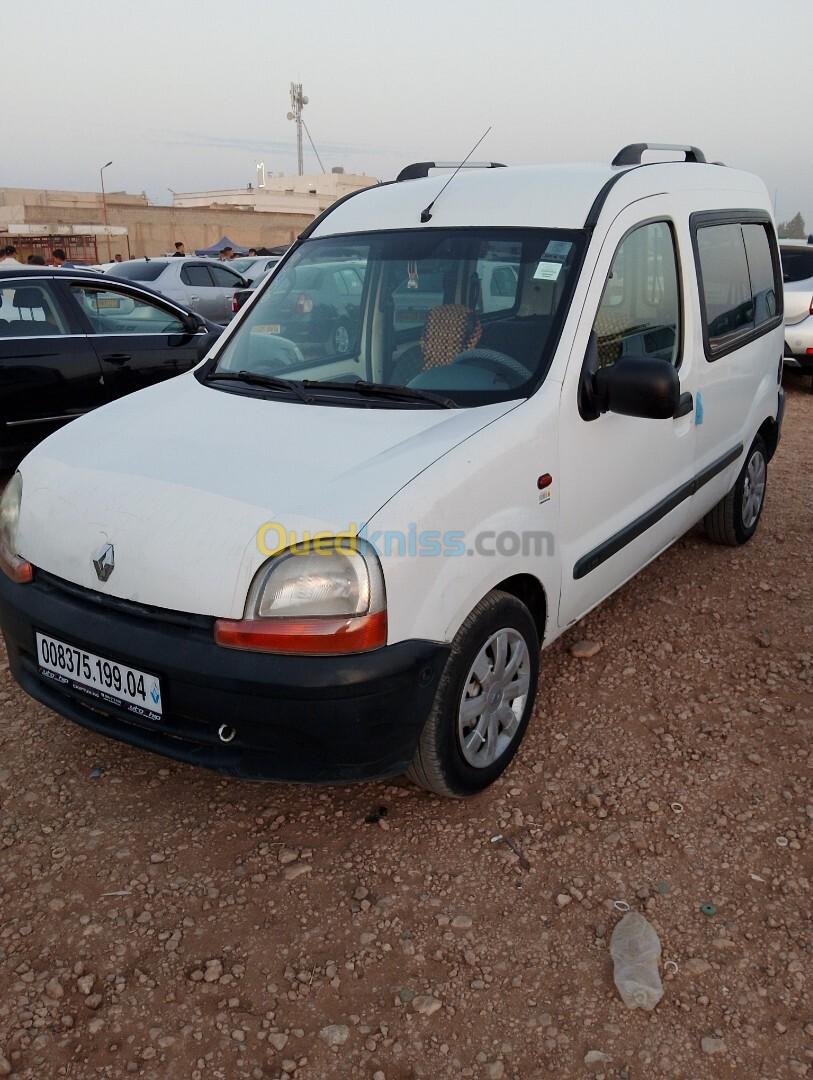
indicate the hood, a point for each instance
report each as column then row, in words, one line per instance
column 181, row 477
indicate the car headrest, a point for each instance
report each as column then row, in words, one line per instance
column 28, row 297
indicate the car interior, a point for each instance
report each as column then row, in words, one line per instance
column 27, row 311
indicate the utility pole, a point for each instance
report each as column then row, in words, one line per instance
column 298, row 101
column 104, row 207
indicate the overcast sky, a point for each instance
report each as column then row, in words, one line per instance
column 190, row 94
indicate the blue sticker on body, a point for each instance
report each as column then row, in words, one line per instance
column 698, row 410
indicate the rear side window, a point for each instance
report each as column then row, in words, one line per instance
column 639, row 313
column 740, row 290
column 196, row 275
column 28, row 310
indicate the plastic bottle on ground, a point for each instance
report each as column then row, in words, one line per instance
column 636, row 951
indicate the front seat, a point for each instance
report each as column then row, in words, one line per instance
column 450, row 329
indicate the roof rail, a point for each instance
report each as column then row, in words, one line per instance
column 420, row 169
column 632, row 154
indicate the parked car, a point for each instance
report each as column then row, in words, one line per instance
column 71, row 340
column 255, row 267
column 204, row 285
column 341, row 563
column 797, row 274
column 318, row 308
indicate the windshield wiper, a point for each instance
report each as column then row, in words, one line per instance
column 405, row 393
column 270, row 382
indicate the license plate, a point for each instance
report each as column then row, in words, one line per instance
column 136, row 691
column 266, row 328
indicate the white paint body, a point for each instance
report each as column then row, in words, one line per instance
column 181, row 477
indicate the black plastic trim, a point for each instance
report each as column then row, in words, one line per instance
column 704, row 219
column 619, row 540
column 633, row 152
column 419, row 170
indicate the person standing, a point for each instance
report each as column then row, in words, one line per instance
column 180, row 250
column 60, row 259
column 8, row 258
column 227, row 254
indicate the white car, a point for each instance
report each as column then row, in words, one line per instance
column 797, row 274
column 343, row 565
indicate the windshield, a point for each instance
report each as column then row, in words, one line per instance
column 243, row 264
column 139, row 270
column 469, row 314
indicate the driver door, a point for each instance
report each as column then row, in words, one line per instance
column 626, row 481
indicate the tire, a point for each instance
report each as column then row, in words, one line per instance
column 733, row 521
column 452, row 758
column 339, row 342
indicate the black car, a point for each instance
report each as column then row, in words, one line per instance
column 71, row 340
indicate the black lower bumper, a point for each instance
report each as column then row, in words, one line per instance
column 296, row 718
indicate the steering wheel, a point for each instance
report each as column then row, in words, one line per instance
column 498, row 363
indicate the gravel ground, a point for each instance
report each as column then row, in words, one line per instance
column 159, row 921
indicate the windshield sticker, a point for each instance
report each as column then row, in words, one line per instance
column 558, row 249
column 547, row 271
column 412, row 274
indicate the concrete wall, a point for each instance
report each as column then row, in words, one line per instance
column 53, row 197
column 281, row 194
column 153, row 230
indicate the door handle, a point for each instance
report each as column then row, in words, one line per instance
column 685, row 405
column 117, row 358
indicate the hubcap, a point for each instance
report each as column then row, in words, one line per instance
column 341, row 339
column 753, row 491
column 494, row 698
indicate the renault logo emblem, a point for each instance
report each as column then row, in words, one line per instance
column 104, row 562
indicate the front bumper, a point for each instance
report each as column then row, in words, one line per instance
column 297, row 718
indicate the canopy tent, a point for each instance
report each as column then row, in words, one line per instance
column 223, row 243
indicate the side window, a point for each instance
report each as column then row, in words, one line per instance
column 30, row 311
column 197, row 276
column 498, row 271
column 761, row 271
column 639, row 313
column 111, row 312
column 726, row 286
column 225, row 279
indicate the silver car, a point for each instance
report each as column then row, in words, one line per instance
column 797, row 274
column 255, row 267
column 206, row 286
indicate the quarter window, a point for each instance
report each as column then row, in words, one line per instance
column 112, row 312
column 639, row 313
column 761, row 272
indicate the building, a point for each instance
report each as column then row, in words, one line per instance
column 38, row 221
column 281, row 194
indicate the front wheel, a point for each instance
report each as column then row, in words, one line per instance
column 734, row 519
column 483, row 701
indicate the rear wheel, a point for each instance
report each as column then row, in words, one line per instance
column 734, row 519
column 483, row 701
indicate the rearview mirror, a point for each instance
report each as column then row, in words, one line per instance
column 644, row 386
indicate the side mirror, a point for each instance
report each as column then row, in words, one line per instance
column 192, row 323
column 644, row 386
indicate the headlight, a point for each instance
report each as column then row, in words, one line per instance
column 324, row 597
column 10, row 562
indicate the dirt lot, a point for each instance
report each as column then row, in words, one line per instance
column 159, row 921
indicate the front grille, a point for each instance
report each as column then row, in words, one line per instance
column 130, row 608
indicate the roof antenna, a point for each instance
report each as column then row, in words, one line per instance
column 426, row 215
